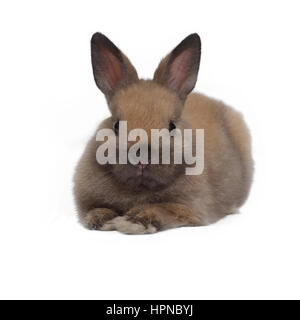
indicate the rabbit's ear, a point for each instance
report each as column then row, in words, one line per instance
column 179, row 70
column 111, row 68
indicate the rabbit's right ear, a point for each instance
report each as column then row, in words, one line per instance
column 111, row 68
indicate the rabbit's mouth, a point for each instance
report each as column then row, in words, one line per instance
column 146, row 176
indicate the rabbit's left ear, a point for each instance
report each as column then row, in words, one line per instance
column 112, row 69
column 179, row 70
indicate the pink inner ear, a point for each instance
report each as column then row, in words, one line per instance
column 179, row 70
column 112, row 68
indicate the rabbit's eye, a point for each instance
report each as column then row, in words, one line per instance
column 116, row 127
column 172, row 126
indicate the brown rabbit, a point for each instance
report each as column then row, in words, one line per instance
column 118, row 196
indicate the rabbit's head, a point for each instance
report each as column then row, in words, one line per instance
column 146, row 104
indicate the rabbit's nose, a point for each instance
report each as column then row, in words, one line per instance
column 141, row 167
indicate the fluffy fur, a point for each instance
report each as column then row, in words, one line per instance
column 115, row 197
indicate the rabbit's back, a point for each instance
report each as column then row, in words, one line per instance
column 227, row 151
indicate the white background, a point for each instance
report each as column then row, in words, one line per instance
column 50, row 106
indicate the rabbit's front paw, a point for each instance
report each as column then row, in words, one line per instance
column 137, row 221
column 96, row 219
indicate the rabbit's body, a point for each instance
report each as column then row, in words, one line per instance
column 113, row 197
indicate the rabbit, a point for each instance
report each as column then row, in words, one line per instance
column 117, row 196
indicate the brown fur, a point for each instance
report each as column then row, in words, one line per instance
column 112, row 197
